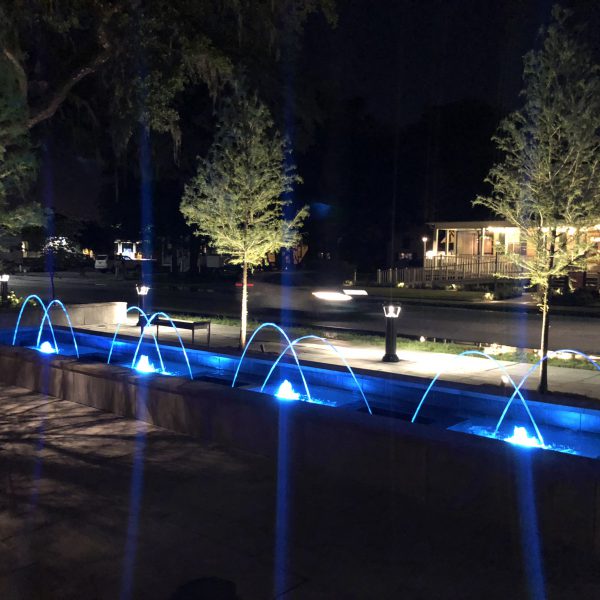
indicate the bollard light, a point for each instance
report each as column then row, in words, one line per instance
column 4, row 287
column 391, row 312
column 142, row 291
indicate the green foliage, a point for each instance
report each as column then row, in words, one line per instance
column 142, row 54
column 17, row 164
column 237, row 196
column 548, row 184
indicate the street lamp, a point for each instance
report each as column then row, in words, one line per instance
column 142, row 292
column 424, row 239
column 391, row 312
column 4, row 287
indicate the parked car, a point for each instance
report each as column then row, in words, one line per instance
column 102, row 263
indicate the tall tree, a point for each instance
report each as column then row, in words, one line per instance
column 142, row 55
column 17, row 164
column 237, row 197
column 548, row 183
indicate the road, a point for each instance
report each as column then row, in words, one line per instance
column 458, row 324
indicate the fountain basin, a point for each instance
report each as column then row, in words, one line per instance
column 457, row 408
column 439, row 467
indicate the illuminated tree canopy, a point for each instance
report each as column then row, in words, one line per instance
column 548, row 183
column 237, row 197
column 17, row 164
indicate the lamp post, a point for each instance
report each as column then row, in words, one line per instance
column 424, row 239
column 391, row 312
column 4, row 287
column 142, row 292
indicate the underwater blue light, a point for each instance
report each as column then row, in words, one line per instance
column 47, row 348
column 144, row 365
column 286, row 391
column 520, row 437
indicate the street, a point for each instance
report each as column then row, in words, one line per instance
column 361, row 314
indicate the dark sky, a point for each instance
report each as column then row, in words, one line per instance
column 426, row 52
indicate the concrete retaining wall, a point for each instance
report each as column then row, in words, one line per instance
column 467, row 476
column 109, row 313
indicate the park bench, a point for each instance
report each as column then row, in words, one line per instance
column 191, row 325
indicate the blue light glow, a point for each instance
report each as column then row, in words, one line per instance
column 144, row 365
column 47, row 348
column 520, row 437
column 286, row 391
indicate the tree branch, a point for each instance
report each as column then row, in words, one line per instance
column 63, row 91
column 20, row 72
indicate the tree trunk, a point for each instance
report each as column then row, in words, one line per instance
column 244, row 320
column 543, row 384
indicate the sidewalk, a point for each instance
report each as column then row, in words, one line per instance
column 426, row 365
column 97, row 506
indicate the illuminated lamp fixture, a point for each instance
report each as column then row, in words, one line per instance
column 4, row 287
column 391, row 312
column 142, row 292
column 424, row 239
column 353, row 292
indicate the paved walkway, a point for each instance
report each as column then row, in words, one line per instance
column 464, row 369
column 96, row 506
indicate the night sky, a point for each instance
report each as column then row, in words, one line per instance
column 405, row 55
column 409, row 94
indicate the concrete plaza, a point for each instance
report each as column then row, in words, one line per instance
column 98, row 506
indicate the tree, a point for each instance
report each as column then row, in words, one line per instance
column 237, row 197
column 141, row 55
column 548, row 183
column 17, row 164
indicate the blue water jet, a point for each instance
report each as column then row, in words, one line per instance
column 47, row 318
column 285, row 335
column 33, row 298
column 150, row 321
column 530, row 372
column 498, row 365
column 316, row 337
column 141, row 313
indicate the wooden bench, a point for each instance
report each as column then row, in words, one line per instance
column 192, row 325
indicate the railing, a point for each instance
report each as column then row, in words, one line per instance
column 451, row 268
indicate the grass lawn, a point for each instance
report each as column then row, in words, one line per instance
column 523, row 356
column 405, row 293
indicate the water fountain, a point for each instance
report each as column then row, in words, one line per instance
column 143, row 315
column 509, row 378
column 393, row 398
column 285, row 335
column 144, row 365
column 286, row 392
column 330, row 345
column 531, row 371
column 148, row 327
column 46, row 317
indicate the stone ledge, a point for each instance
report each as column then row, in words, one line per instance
column 463, row 474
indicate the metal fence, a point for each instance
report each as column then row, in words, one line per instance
column 451, row 268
